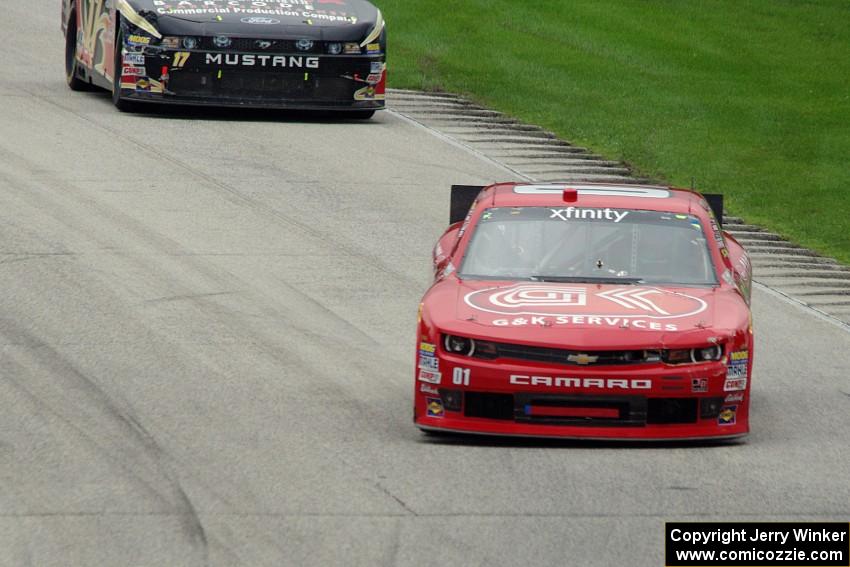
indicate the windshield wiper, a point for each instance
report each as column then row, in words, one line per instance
column 586, row 279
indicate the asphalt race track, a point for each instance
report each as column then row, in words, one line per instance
column 206, row 357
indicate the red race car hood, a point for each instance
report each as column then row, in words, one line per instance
column 586, row 315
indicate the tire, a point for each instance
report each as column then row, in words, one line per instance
column 120, row 104
column 75, row 83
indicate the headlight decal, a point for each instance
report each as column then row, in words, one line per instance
column 376, row 31
column 134, row 18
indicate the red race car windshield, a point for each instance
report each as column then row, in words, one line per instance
column 584, row 244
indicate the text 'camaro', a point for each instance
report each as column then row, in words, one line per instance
column 598, row 311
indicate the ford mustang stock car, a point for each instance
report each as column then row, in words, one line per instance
column 298, row 54
column 593, row 311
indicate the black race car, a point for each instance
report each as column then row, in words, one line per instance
column 299, row 54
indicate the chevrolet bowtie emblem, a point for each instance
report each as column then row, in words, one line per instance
column 582, row 359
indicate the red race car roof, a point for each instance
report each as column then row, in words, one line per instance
column 644, row 197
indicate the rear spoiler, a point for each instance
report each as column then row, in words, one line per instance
column 715, row 201
column 462, row 198
column 464, row 195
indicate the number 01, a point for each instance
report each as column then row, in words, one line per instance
column 460, row 376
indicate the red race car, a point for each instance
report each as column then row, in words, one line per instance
column 593, row 311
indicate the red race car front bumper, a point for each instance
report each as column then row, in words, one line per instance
column 656, row 402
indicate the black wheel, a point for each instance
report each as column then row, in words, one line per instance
column 120, row 104
column 72, row 75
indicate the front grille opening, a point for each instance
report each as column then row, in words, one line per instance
column 671, row 410
column 249, row 85
column 549, row 409
column 491, row 351
column 262, row 45
column 489, row 405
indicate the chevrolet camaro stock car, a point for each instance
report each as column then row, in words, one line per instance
column 594, row 311
column 299, row 54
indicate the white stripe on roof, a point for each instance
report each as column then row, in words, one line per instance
column 598, row 190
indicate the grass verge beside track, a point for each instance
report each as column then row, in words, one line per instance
column 751, row 98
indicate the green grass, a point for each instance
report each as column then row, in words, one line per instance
column 750, row 97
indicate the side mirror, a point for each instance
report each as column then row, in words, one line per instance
column 445, row 247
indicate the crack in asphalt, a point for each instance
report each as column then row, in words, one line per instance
column 189, row 296
column 92, row 414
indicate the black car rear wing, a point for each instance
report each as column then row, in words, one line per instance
column 464, row 195
column 462, row 198
column 715, row 201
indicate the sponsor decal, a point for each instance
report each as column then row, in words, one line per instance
column 434, row 407
column 373, row 48
column 727, row 415
column 429, row 376
column 302, row 10
column 253, row 60
column 739, row 356
column 134, row 59
column 139, row 71
column 739, row 397
column 699, row 385
column 376, row 67
column 592, row 214
column 735, row 384
column 142, row 85
column 260, row 21
column 641, row 324
column 737, row 369
column 718, row 235
column 632, row 307
column 374, row 78
column 426, row 389
column 138, row 40
column 351, row 48
column 180, row 59
column 427, row 357
column 561, row 382
column 369, row 93
column 538, row 296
